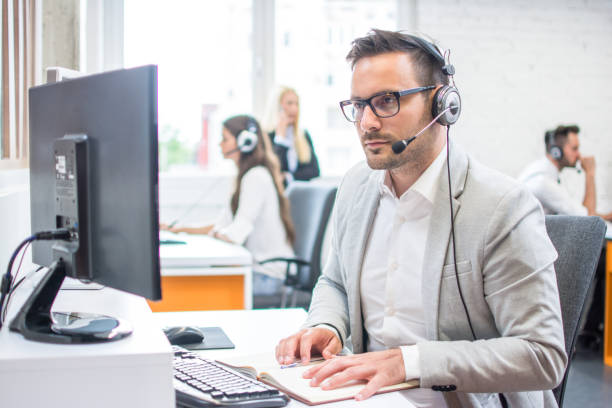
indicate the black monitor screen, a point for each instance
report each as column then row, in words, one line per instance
column 117, row 112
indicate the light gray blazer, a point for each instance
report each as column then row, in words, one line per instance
column 505, row 265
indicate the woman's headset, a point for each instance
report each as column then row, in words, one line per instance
column 247, row 139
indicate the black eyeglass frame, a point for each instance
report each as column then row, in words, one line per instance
column 397, row 94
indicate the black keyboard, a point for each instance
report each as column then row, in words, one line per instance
column 199, row 382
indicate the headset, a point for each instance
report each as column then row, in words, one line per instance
column 446, row 101
column 246, row 139
column 552, row 148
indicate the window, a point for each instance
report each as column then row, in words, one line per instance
column 17, row 71
column 205, row 53
column 204, row 57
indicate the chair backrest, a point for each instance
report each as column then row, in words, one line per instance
column 578, row 241
column 311, row 205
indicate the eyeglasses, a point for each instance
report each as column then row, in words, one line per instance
column 383, row 104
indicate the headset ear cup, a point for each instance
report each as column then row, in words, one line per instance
column 444, row 98
column 246, row 140
column 556, row 152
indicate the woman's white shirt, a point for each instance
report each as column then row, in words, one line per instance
column 257, row 223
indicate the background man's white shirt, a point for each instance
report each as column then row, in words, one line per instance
column 543, row 180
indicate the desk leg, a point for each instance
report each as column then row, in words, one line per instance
column 608, row 308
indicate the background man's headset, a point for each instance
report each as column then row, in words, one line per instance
column 555, row 151
column 445, row 109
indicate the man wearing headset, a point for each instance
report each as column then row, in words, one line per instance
column 542, row 176
column 389, row 291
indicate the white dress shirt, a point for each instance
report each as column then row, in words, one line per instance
column 392, row 271
column 542, row 179
column 257, row 223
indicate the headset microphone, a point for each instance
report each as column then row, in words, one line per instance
column 400, row 145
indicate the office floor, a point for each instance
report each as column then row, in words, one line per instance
column 590, row 381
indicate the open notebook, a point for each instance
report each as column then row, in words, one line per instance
column 289, row 380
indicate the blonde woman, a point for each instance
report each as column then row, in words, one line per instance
column 292, row 144
column 258, row 214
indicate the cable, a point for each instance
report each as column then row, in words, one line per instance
column 7, row 280
column 450, row 199
column 8, row 297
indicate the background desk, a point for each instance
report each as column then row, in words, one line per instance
column 204, row 274
column 258, row 331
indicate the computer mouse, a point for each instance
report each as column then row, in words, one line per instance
column 184, row 335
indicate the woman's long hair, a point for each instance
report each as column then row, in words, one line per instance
column 261, row 155
column 302, row 148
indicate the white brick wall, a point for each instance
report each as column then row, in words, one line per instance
column 526, row 66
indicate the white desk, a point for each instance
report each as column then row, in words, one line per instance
column 258, row 331
column 132, row 372
column 204, row 274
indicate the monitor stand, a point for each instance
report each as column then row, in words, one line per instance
column 35, row 321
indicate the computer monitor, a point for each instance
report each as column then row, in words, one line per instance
column 93, row 170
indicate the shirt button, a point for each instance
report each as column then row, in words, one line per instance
column 389, row 311
column 393, row 266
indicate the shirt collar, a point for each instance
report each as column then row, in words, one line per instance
column 425, row 185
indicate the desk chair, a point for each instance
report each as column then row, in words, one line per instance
column 578, row 240
column 311, row 205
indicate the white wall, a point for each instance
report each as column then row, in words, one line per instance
column 526, row 66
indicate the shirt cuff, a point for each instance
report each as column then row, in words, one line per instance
column 410, row 354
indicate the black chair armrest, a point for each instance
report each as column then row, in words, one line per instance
column 291, row 276
column 296, row 261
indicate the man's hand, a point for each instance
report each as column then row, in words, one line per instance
column 588, row 164
column 303, row 343
column 378, row 368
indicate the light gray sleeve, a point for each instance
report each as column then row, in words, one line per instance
column 521, row 291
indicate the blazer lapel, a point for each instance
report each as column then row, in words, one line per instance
column 360, row 223
column 439, row 237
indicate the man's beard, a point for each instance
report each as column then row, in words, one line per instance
column 388, row 161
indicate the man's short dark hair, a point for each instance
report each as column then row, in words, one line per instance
column 376, row 42
column 559, row 135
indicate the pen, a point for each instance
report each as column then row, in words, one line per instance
column 299, row 363
column 291, row 365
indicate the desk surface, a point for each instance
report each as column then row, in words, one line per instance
column 202, row 251
column 34, row 374
column 258, row 331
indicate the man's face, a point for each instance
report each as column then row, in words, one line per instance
column 571, row 150
column 391, row 72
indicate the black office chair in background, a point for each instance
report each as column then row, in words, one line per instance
column 578, row 240
column 311, row 205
